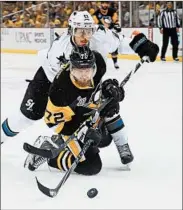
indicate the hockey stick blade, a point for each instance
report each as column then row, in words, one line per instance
column 53, row 192
column 41, row 152
column 49, row 192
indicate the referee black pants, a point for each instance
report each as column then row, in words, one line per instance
column 170, row 32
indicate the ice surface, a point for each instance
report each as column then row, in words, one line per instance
column 152, row 112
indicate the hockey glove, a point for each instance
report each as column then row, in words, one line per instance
column 117, row 28
column 144, row 47
column 111, row 89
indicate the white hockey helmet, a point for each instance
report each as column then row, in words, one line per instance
column 81, row 19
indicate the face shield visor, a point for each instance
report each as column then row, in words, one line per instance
column 83, row 32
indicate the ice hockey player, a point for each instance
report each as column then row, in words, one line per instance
column 71, row 95
column 108, row 17
column 80, row 33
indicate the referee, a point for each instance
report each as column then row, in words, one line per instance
column 169, row 24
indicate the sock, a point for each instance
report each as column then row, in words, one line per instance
column 63, row 161
column 13, row 125
column 114, row 59
column 116, row 128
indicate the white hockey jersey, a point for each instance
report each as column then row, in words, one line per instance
column 104, row 42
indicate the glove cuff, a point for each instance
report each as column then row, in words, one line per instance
column 138, row 41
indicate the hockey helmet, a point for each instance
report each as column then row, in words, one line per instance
column 81, row 20
column 82, row 67
column 82, row 57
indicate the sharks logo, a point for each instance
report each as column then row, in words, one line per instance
column 63, row 62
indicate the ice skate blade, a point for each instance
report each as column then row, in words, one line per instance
column 126, row 167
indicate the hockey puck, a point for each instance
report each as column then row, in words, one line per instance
column 92, row 193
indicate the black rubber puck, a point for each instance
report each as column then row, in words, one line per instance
column 92, row 193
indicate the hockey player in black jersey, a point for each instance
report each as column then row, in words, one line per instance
column 80, row 33
column 79, row 85
column 108, row 17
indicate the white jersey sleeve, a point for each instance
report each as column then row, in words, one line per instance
column 105, row 42
column 124, row 47
column 49, row 57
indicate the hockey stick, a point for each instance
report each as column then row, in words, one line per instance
column 53, row 192
column 138, row 65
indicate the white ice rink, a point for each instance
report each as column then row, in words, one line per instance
column 152, row 112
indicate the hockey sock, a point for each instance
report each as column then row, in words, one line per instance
column 116, row 128
column 6, row 129
column 115, row 59
column 15, row 124
column 63, row 161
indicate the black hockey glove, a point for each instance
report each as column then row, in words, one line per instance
column 117, row 28
column 111, row 89
column 93, row 134
column 144, row 47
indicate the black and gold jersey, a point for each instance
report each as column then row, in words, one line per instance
column 111, row 15
column 67, row 102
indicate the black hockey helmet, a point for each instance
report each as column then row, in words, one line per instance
column 82, row 57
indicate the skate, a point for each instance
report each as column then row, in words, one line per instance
column 116, row 65
column 125, row 155
column 44, row 142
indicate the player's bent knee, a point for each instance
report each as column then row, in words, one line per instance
column 92, row 165
column 89, row 167
column 106, row 137
column 106, row 141
column 35, row 99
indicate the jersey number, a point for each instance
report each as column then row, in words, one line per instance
column 58, row 117
column 86, row 17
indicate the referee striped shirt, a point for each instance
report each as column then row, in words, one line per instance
column 168, row 19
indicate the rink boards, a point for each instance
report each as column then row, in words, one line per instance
column 31, row 40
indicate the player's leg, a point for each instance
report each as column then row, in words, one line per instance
column 32, row 107
column 90, row 166
column 106, row 137
column 116, row 128
column 115, row 59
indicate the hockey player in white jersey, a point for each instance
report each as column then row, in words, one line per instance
column 82, row 31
